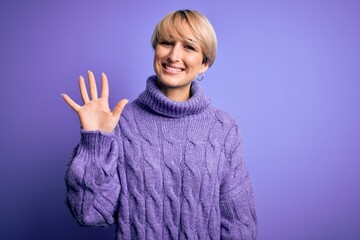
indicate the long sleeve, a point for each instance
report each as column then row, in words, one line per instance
column 237, row 204
column 92, row 180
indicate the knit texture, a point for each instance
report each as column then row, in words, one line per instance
column 170, row 170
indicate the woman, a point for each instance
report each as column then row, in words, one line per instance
column 171, row 167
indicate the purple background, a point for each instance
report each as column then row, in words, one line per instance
column 288, row 71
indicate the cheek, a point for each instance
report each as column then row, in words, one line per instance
column 195, row 61
column 156, row 54
column 157, row 59
column 160, row 52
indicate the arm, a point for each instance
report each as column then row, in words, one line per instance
column 91, row 175
column 237, row 204
column 91, row 178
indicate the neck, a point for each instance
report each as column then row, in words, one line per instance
column 178, row 94
column 153, row 98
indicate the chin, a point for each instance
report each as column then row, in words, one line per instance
column 172, row 81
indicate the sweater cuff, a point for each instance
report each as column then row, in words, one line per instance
column 101, row 153
column 100, row 149
column 96, row 143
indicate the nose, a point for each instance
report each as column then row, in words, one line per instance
column 175, row 53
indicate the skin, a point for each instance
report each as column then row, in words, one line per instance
column 176, row 64
column 95, row 114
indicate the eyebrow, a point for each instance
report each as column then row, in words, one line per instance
column 192, row 41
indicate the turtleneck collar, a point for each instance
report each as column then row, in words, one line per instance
column 158, row 102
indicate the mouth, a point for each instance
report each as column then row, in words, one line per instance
column 171, row 68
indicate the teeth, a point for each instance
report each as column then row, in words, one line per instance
column 173, row 69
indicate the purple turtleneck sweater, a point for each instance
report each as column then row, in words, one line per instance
column 169, row 170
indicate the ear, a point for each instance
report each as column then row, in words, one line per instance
column 204, row 67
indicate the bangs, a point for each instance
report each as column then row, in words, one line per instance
column 177, row 27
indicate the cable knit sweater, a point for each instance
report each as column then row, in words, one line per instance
column 170, row 170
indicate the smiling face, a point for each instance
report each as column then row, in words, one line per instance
column 178, row 62
column 185, row 45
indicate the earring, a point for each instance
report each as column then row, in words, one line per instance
column 202, row 76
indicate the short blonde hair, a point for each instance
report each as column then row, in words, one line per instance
column 177, row 25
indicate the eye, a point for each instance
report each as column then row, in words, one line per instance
column 166, row 43
column 189, row 47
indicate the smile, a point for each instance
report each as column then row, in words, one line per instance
column 172, row 69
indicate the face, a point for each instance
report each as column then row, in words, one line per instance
column 178, row 62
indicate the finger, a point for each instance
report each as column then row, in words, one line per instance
column 104, row 86
column 119, row 107
column 92, row 85
column 83, row 91
column 71, row 103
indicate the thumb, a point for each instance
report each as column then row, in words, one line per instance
column 119, row 107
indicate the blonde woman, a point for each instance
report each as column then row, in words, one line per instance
column 168, row 165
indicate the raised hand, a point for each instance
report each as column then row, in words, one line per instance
column 95, row 114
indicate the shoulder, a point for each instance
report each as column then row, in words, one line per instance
column 224, row 118
column 232, row 139
column 225, row 128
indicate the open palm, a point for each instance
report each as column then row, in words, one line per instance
column 95, row 114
